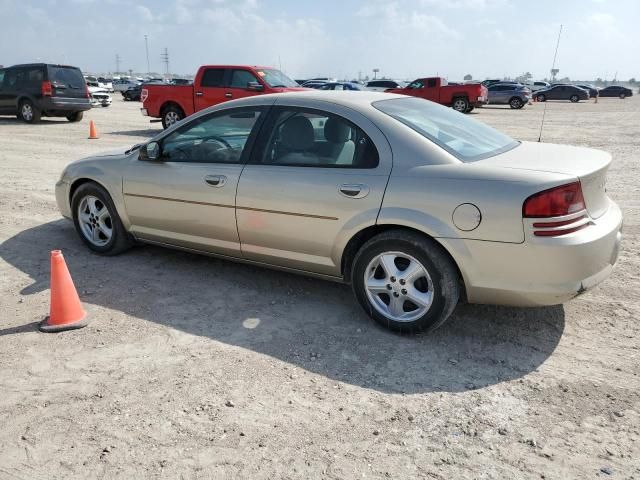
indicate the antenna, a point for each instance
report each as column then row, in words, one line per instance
column 554, row 72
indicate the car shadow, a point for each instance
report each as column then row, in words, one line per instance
column 137, row 133
column 43, row 121
column 308, row 323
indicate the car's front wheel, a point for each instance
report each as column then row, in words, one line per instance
column 28, row 112
column 405, row 281
column 574, row 98
column 541, row 98
column 622, row 96
column 97, row 221
column 75, row 116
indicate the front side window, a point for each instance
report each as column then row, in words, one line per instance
column 416, row 84
column 242, row 79
column 466, row 139
column 310, row 138
column 213, row 77
column 216, row 138
column 1, row 77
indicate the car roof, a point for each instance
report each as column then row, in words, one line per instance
column 41, row 65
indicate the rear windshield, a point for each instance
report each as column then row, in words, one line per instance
column 67, row 76
column 466, row 139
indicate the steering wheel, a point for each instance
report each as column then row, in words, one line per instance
column 220, row 140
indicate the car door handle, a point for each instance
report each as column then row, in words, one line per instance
column 199, row 94
column 216, row 180
column 228, row 95
column 353, row 190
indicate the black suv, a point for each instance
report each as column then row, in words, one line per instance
column 38, row 89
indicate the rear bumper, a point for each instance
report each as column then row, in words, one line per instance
column 65, row 104
column 542, row 271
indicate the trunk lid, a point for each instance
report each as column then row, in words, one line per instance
column 588, row 165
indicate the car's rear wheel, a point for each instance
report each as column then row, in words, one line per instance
column 622, row 96
column 75, row 116
column 28, row 112
column 171, row 115
column 574, row 98
column 405, row 281
column 460, row 104
column 469, row 110
column 541, row 98
column 97, row 221
column 516, row 103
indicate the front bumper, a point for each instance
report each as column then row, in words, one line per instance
column 540, row 271
column 62, row 198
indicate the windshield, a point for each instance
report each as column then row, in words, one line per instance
column 275, row 78
column 466, row 139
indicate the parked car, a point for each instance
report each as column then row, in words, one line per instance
column 315, row 84
column 593, row 91
column 463, row 98
column 514, row 95
column 616, row 91
column 340, row 86
column 562, row 92
column 106, row 83
column 124, row 84
column 36, row 90
column 305, row 183
column 213, row 84
column 535, row 86
column 180, row 81
column 382, row 85
column 132, row 93
column 487, row 83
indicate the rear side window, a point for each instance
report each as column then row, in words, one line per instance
column 67, row 76
column 242, row 78
column 14, row 78
column 431, row 83
column 313, row 138
column 1, row 76
column 213, row 77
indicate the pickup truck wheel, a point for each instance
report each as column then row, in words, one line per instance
column 469, row 110
column 574, row 98
column 516, row 103
column 460, row 104
column 171, row 115
column 28, row 112
column 75, row 116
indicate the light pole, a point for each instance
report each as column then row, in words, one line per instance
column 146, row 47
column 375, row 72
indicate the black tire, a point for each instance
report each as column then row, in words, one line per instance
column 120, row 239
column 574, row 98
column 75, row 116
column 541, row 98
column 35, row 115
column 516, row 103
column 460, row 104
column 469, row 110
column 441, row 269
column 622, row 96
column 171, row 115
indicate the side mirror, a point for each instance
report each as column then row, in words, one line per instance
column 150, row 152
column 255, row 86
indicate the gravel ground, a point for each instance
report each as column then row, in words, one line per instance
column 193, row 367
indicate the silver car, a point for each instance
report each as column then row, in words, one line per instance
column 413, row 204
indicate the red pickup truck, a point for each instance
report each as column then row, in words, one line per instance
column 213, row 84
column 461, row 97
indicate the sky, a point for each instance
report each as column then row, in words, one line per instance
column 404, row 39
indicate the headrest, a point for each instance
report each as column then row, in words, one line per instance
column 337, row 131
column 297, row 133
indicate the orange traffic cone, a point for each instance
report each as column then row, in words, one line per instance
column 66, row 312
column 93, row 134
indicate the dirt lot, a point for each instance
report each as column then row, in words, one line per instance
column 193, row 367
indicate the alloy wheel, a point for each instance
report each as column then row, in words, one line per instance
column 27, row 112
column 95, row 221
column 171, row 118
column 398, row 286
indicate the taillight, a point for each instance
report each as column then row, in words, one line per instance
column 87, row 93
column 144, row 94
column 563, row 201
column 47, row 91
column 555, row 202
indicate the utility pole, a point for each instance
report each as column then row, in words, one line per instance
column 117, row 63
column 165, row 59
column 146, row 47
